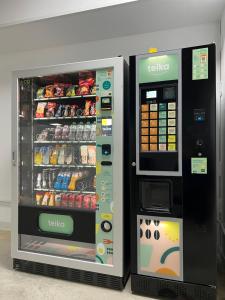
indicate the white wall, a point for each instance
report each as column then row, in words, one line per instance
column 125, row 46
column 15, row 12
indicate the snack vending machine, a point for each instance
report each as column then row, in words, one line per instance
column 173, row 173
column 68, row 172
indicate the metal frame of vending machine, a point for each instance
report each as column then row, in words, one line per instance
column 173, row 179
column 69, row 223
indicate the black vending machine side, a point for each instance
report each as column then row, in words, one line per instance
column 173, row 216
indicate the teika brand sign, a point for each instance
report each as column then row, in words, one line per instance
column 56, row 223
column 158, row 68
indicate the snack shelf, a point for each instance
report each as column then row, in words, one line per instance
column 66, row 166
column 64, row 118
column 63, row 191
column 64, row 142
column 64, row 98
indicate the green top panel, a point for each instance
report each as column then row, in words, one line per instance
column 158, row 68
column 56, row 223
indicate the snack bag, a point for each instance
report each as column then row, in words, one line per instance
column 40, row 93
column 49, row 91
column 40, row 111
column 71, row 91
column 84, row 154
column 87, row 107
column 59, row 90
column 93, row 90
column 93, row 109
column 50, row 109
column 91, row 155
column 73, row 109
column 39, row 197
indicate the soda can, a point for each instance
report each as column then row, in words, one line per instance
column 93, row 202
column 86, row 201
column 64, row 201
column 78, row 201
column 71, row 200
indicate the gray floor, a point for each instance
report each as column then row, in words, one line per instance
column 15, row 285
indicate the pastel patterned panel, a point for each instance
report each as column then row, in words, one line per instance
column 160, row 252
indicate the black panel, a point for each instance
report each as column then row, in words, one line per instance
column 156, row 195
column 168, row 289
column 84, row 223
column 199, row 136
column 92, row 278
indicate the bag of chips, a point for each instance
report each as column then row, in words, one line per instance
column 40, row 93
column 49, row 91
column 50, row 109
column 87, row 107
column 40, row 111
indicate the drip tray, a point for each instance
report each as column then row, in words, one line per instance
column 71, row 249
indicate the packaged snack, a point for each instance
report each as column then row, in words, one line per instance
column 84, row 154
column 40, row 111
column 93, row 90
column 40, row 93
column 71, row 91
column 93, row 109
column 60, row 111
column 58, row 200
column 39, row 197
column 49, row 91
column 59, row 90
column 87, row 108
column 66, row 112
column 46, row 199
column 51, row 106
column 91, row 155
column 52, row 200
column 73, row 109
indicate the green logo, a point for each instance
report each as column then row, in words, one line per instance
column 106, row 85
column 158, row 68
column 56, row 223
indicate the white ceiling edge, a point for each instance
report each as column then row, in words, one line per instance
column 17, row 12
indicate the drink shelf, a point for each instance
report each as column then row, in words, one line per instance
column 64, row 98
column 64, row 142
column 66, row 166
column 64, row 118
column 63, row 191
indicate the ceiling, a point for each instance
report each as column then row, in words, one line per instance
column 116, row 21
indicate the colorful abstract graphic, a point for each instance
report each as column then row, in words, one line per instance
column 160, row 249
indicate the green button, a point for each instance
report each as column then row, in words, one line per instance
column 56, row 223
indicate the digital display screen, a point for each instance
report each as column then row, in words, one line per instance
column 106, row 122
column 151, row 94
column 106, row 100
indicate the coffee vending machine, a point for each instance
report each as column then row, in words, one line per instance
column 173, row 174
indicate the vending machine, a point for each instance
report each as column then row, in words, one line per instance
column 68, row 172
column 173, row 173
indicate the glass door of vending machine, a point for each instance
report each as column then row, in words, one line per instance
column 67, row 173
